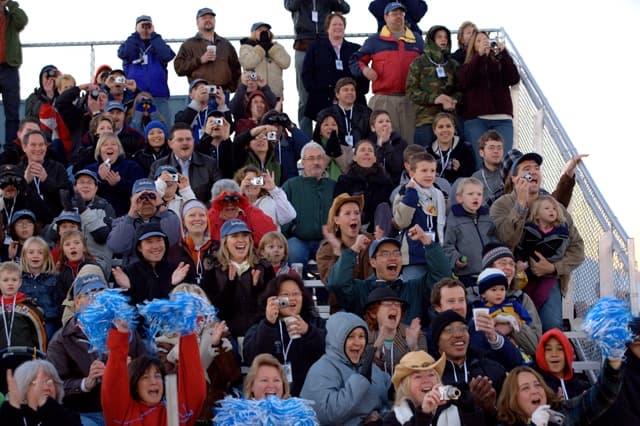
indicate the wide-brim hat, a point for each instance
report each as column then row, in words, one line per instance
column 382, row 294
column 340, row 201
column 416, row 361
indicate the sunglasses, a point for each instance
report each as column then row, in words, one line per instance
column 147, row 196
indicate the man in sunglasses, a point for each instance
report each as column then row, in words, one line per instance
column 146, row 206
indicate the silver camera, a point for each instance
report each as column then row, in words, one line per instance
column 120, row 80
column 272, row 136
column 218, row 121
column 448, row 392
column 253, row 75
column 212, row 89
column 174, row 177
column 259, row 181
column 283, row 302
column 555, row 417
column 528, row 177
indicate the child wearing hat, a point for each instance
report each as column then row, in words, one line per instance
column 23, row 226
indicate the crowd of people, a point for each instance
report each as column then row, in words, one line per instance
column 444, row 258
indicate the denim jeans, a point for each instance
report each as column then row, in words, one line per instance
column 304, row 123
column 551, row 311
column 475, row 127
column 300, row 251
column 163, row 108
column 10, row 90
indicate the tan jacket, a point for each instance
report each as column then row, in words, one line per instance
column 253, row 58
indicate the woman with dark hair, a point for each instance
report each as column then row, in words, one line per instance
column 256, row 147
column 156, row 145
column 454, row 157
column 292, row 330
column 327, row 133
column 389, row 144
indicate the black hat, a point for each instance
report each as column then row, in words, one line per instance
column 381, row 294
column 149, row 229
column 442, row 320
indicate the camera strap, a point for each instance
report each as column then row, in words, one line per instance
column 8, row 328
column 285, row 352
column 455, row 374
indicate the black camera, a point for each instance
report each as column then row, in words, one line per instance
column 95, row 93
column 279, row 119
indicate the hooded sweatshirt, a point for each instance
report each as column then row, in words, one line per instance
column 343, row 396
column 572, row 384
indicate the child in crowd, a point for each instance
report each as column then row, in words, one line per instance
column 408, row 152
column 508, row 313
column 554, row 362
column 419, row 203
column 275, row 250
column 469, row 229
column 40, row 282
column 64, row 82
column 545, row 233
column 65, row 222
column 174, row 188
column 22, row 319
column 23, row 226
column 73, row 256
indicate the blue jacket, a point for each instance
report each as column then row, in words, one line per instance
column 416, row 9
column 342, row 396
column 288, row 152
column 152, row 76
column 45, row 291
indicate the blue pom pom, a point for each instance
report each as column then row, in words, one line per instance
column 271, row 411
column 97, row 317
column 184, row 313
column 607, row 323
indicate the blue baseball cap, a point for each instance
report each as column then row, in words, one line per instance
column 86, row 284
column 143, row 18
column 376, row 243
column 143, row 184
column 164, row 168
column 111, row 105
column 204, row 11
column 148, row 230
column 86, row 172
column 233, row 226
column 23, row 214
column 260, row 24
column 393, row 6
column 68, row 216
column 528, row 156
column 197, row 81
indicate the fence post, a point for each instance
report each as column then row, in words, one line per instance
column 605, row 260
column 634, row 276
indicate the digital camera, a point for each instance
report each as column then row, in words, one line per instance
column 174, row 177
column 528, row 177
column 283, row 302
column 272, row 136
column 448, row 392
column 258, row 181
column 218, row 121
column 212, row 89
column 253, row 75
column 120, row 80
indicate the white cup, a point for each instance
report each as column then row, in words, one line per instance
column 211, row 48
column 289, row 321
column 477, row 311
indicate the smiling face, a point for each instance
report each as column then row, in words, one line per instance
column 471, row 197
column 531, row 393
column 73, row 248
column 268, row 382
column 355, row 345
column 454, row 341
column 156, row 138
column 365, row 155
column 444, row 130
column 152, row 249
column 453, row 298
column 327, row 126
column 238, row 245
column 348, row 219
column 291, row 290
column 150, row 387
column 35, row 149
column 554, row 355
column 9, row 283
column 420, row 383
column 424, row 173
column 258, row 107
column 195, row 221
column 336, row 28
column 346, row 95
column 259, row 145
column 86, row 187
column 182, row 144
column 110, row 150
column 387, row 262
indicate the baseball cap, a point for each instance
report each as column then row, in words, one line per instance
column 143, row 184
column 393, row 6
column 86, row 172
column 87, row 284
column 114, row 105
column 143, row 18
column 204, row 11
column 148, row 230
column 23, row 214
column 528, row 156
column 163, row 168
column 233, row 226
column 376, row 243
column 260, row 24
column 197, row 81
column 68, row 216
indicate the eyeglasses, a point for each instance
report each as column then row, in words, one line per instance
column 146, row 26
column 450, row 329
column 505, row 262
column 387, row 253
column 231, row 199
column 391, row 304
column 147, row 196
column 314, row 158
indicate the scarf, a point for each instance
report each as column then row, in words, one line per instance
column 433, row 204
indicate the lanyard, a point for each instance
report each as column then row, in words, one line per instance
column 36, row 182
column 444, row 163
column 285, row 352
column 347, row 119
column 7, row 330
column 486, row 183
column 384, row 351
column 564, row 389
column 435, row 63
column 466, row 372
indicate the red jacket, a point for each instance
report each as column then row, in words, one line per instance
column 120, row 408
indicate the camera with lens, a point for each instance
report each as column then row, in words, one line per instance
column 95, row 93
column 272, row 136
column 52, row 73
column 528, row 177
column 257, row 181
column 120, row 80
column 253, row 75
column 146, row 103
column 219, row 121
column 281, row 119
column 448, row 392
column 282, row 302
column 174, row 177
column 212, row 90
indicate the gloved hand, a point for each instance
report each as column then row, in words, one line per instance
column 65, row 200
column 540, row 417
column 333, row 145
column 145, row 105
column 265, row 41
column 366, row 362
column 78, row 202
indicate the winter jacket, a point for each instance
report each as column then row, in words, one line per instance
column 223, row 72
column 485, row 83
column 267, row 63
column 16, row 21
column 389, row 359
column 625, row 411
column 26, row 199
column 342, row 396
column 273, row 339
column 459, row 150
column 244, row 156
column 352, row 293
column 325, row 258
column 149, row 282
column 529, row 335
column 303, row 25
column 320, row 74
column 26, row 328
column 49, row 190
column 462, row 410
column 50, row 414
column 476, row 363
column 390, row 154
column 277, row 207
column 257, row 221
column 119, row 195
column 237, row 298
column 195, row 115
column 466, row 234
column 199, row 259
column 390, row 58
column 288, row 151
column 73, row 110
column 123, row 409
column 552, row 244
column 222, row 154
column 493, row 186
column 240, row 104
column 510, row 220
column 44, row 290
column 416, row 9
column 145, row 61
column 424, row 84
column 312, row 199
column 147, row 156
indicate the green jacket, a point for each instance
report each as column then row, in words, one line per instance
column 312, row 199
column 16, row 21
column 423, row 83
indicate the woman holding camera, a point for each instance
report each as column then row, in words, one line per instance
column 485, row 79
column 421, row 399
column 256, row 147
column 291, row 330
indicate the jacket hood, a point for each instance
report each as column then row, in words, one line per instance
column 319, row 119
column 566, row 346
column 339, row 326
column 433, row 50
column 255, row 93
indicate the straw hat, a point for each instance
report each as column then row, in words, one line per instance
column 416, row 361
column 338, row 202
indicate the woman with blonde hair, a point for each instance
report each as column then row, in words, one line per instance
column 266, row 377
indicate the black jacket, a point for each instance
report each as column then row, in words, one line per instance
column 149, row 282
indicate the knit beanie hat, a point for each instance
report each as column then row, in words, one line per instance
column 155, row 124
column 442, row 320
column 494, row 251
column 491, row 277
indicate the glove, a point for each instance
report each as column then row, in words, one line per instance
column 145, row 105
column 78, row 202
column 540, row 417
column 366, row 362
column 265, row 41
column 333, row 145
column 65, row 200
